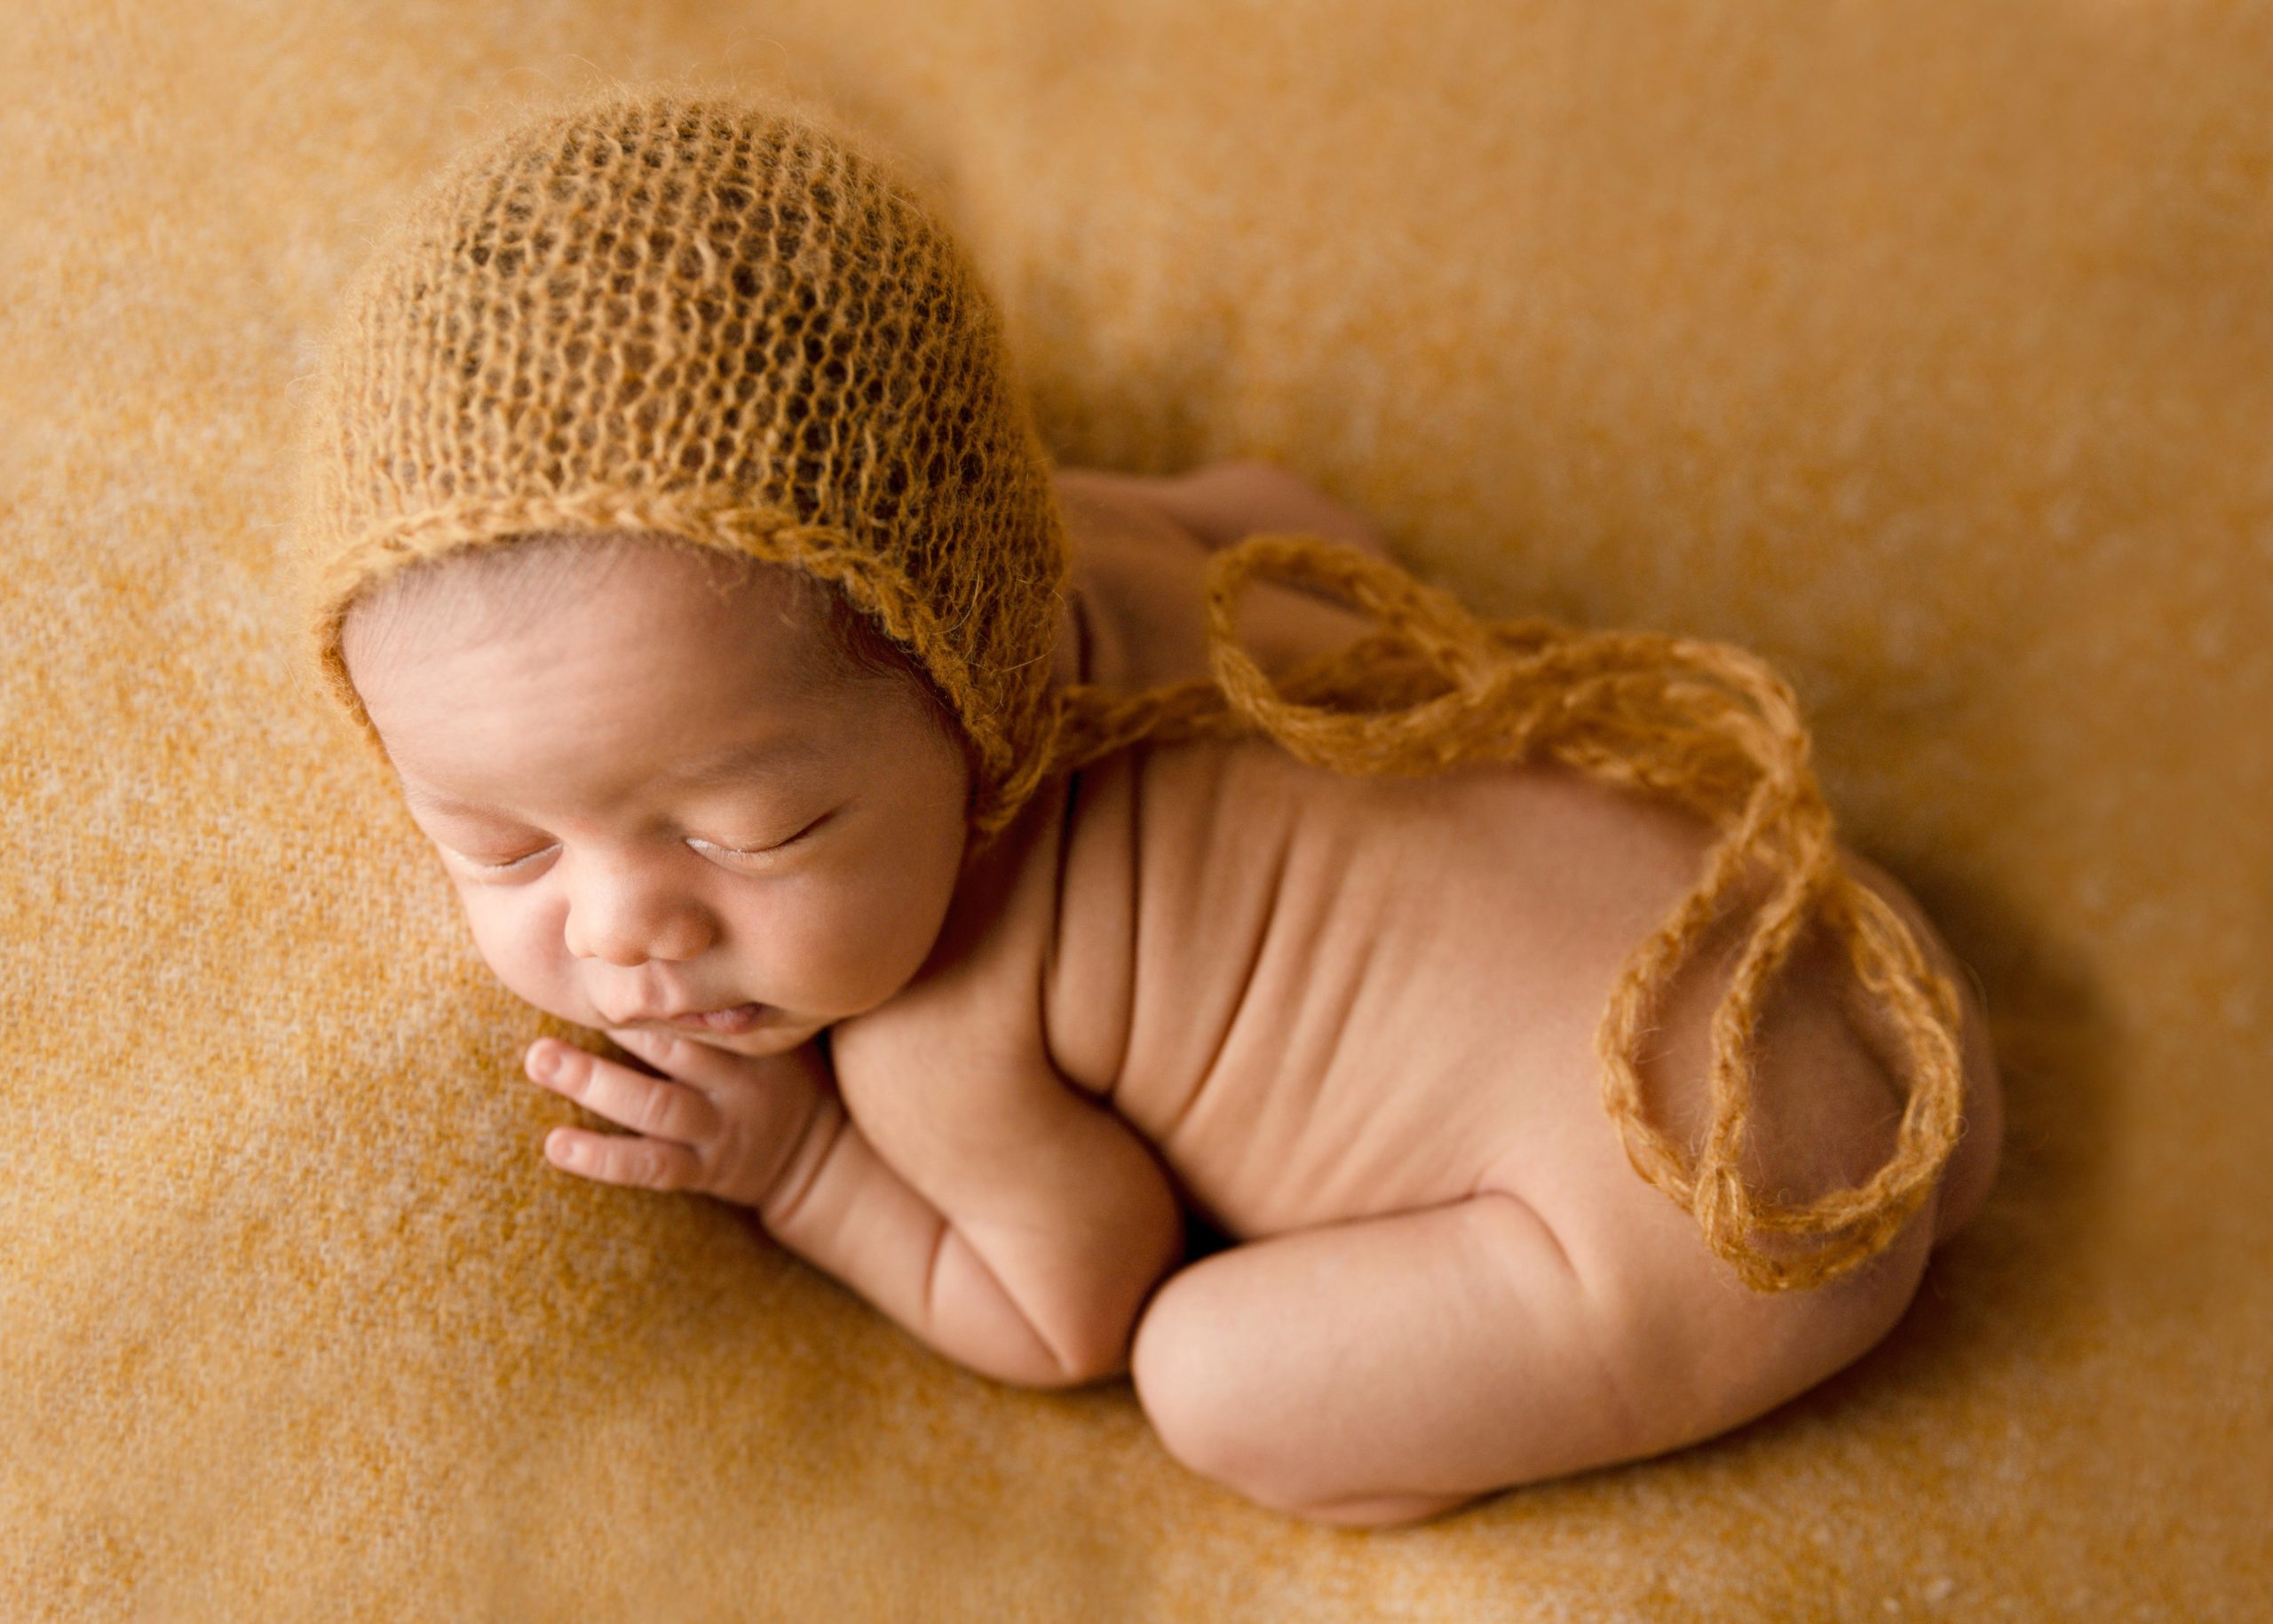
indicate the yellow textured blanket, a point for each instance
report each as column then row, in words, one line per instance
column 1922, row 348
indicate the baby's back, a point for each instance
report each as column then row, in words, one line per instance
column 1323, row 998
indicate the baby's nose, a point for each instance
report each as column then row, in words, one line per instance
column 627, row 925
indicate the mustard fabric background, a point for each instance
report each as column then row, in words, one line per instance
column 1924, row 346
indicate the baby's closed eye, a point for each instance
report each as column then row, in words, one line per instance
column 490, row 860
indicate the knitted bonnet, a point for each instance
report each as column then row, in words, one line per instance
column 714, row 318
column 722, row 319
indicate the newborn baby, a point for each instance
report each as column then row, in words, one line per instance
column 1272, row 1088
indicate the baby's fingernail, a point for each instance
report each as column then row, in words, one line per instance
column 544, row 1063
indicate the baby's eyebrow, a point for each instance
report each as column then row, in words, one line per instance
column 743, row 760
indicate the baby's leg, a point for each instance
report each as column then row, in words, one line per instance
column 1390, row 1368
column 1384, row 1370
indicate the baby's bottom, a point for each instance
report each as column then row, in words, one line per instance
column 1388, row 1369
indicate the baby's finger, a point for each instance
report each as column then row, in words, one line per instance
column 655, row 1106
column 623, row 1158
column 702, row 1065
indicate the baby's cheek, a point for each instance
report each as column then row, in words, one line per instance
column 846, row 956
column 863, row 938
column 517, row 953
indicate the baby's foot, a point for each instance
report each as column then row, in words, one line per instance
column 1226, row 501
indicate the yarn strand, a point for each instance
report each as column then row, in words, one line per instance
column 1707, row 726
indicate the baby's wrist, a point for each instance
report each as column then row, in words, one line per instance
column 799, row 1095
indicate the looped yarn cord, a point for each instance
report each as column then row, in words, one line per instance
column 1706, row 724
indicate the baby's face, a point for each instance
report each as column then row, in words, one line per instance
column 648, row 804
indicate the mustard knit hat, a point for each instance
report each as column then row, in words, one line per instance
column 715, row 318
column 720, row 320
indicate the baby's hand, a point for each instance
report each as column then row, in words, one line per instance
column 717, row 1123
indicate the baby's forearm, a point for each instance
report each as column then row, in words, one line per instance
column 840, row 1205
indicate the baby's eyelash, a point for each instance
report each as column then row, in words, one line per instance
column 475, row 862
column 746, row 851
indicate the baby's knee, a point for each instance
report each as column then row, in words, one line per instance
column 1193, row 1369
column 1175, row 1367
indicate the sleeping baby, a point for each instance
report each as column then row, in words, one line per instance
column 1424, row 1055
